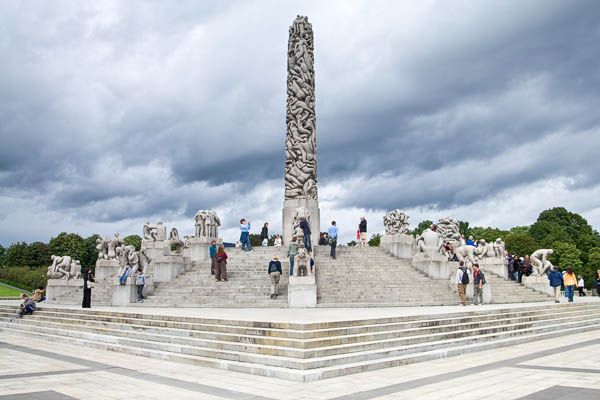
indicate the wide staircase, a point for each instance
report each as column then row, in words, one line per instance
column 302, row 351
column 505, row 291
column 368, row 276
column 247, row 286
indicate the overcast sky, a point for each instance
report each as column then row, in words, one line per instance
column 114, row 112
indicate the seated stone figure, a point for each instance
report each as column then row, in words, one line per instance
column 430, row 241
column 175, row 241
column 302, row 261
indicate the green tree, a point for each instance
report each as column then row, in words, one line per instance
column 463, row 228
column 91, row 253
column 38, row 255
column 567, row 255
column 255, row 240
column 133, row 240
column 594, row 258
column 489, row 234
column 352, row 243
column 68, row 244
column 16, row 255
column 421, row 227
column 520, row 244
column 519, row 229
column 2, row 256
column 375, row 240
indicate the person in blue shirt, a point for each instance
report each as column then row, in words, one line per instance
column 471, row 242
column 213, row 257
column 245, row 235
column 274, row 276
column 333, row 235
column 556, row 280
column 306, row 230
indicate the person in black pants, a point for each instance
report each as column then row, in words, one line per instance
column 87, row 289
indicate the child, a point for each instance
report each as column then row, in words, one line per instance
column 27, row 307
column 140, row 281
column 126, row 274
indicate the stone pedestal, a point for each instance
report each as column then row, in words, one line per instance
column 199, row 247
column 434, row 265
column 302, row 292
column 400, row 245
column 538, row 283
column 156, row 248
column 106, row 269
column 494, row 265
column 289, row 208
column 60, row 287
column 166, row 268
column 124, row 295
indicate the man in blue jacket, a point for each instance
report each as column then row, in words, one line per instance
column 556, row 281
column 213, row 254
column 306, row 230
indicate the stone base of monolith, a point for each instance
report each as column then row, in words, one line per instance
column 302, row 292
column 494, row 265
column 434, row 265
column 539, row 284
column 166, row 268
column 156, row 248
column 399, row 245
column 106, row 269
column 124, row 295
column 289, row 208
column 199, row 247
column 60, row 287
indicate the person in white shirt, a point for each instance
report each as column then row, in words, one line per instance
column 277, row 242
column 580, row 285
column 462, row 282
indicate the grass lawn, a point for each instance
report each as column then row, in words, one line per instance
column 9, row 292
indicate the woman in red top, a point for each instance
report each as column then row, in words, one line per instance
column 221, row 258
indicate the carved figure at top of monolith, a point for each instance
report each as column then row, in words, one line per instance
column 396, row 222
column 301, row 142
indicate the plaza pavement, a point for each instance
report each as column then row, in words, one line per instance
column 557, row 368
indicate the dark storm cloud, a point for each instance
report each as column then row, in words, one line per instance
column 116, row 110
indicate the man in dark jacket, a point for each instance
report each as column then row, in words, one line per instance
column 362, row 227
column 306, row 230
column 556, row 281
column 264, row 233
column 274, row 276
column 478, row 282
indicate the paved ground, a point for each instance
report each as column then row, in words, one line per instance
column 560, row 368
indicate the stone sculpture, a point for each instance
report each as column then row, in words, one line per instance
column 175, row 241
column 467, row 254
column 64, row 267
column 102, row 247
column 540, row 262
column 207, row 223
column 301, row 143
column 299, row 214
column 136, row 259
column 302, row 261
column 161, row 231
column 448, row 228
column 149, row 232
column 107, row 248
column 499, row 249
column 430, row 241
column 396, row 222
column 186, row 242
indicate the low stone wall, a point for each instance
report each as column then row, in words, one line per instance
column 400, row 245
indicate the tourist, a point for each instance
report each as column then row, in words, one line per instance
column 238, row 244
column 478, row 282
column 38, row 294
column 277, row 241
column 462, row 240
column 88, row 284
column 581, row 286
column 362, row 227
column 126, row 274
column 213, row 254
column 508, row 261
column 332, row 232
column 323, row 240
column 517, row 267
column 140, row 282
column 245, row 235
column 221, row 272
column 292, row 251
column 471, row 242
column 264, row 234
column 274, row 276
column 570, row 284
column 306, row 230
column 556, row 280
column 462, row 280
column 598, row 283
column 27, row 307
column 527, row 267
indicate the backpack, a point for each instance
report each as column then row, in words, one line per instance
column 465, row 277
column 220, row 259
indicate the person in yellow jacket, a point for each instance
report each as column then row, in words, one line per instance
column 570, row 282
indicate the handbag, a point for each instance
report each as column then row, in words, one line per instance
column 90, row 285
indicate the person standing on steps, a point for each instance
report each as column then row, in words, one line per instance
column 362, row 227
column 332, row 232
column 87, row 289
column 140, row 282
column 292, row 251
column 556, row 280
column 581, row 286
column 221, row 272
column 213, row 257
column 264, row 234
column 274, row 276
column 570, row 284
column 323, row 240
column 306, row 230
column 478, row 282
column 598, row 282
column 245, row 234
column 462, row 280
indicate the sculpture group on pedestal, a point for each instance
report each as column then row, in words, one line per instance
column 396, row 222
column 136, row 259
column 64, row 267
column 206, row 223
column 540, row 262
column 175, row 241
column 449, row 230
column 429, row 241
column 300, row 214
column 107, row 247
column 302, row 262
